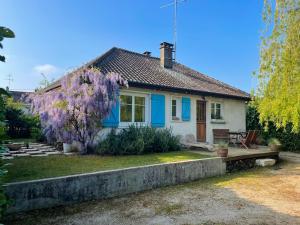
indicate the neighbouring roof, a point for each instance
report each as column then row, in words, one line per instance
column 146, row 72
column 17, row 95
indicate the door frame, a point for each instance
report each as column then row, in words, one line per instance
column 204, row 121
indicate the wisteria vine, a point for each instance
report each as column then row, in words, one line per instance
column 74, row 111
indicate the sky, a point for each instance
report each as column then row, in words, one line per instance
column 218, row 38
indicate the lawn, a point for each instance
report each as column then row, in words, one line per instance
column 30, row 168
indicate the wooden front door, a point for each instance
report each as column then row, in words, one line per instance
column 201, row 121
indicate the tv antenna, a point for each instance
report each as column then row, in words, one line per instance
column 10, row 79
column 175, row 4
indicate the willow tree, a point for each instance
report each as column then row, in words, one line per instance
column 279, row 73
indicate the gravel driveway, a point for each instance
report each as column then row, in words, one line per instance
column 258, row 196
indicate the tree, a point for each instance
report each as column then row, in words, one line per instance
column 74, row 112
column 5, row 33
column 3, row 97
column 278, row 92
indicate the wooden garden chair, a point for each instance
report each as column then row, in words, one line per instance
column 254, row 137
column 249, row 140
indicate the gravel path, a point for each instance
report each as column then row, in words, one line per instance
column 260, row 196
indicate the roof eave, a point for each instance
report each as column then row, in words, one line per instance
column 176, row 90
column 186, row 91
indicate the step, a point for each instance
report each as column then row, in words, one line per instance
column 45, row 152
column 200, row 147
column 45, row 146
column 36, row 146
column 46, row 149
column 40, row 155
column 7, row 157
column 17, row 152
column 30, row 149
column 20, row 154
column 53, row 153
column 69, row 153
column 265, row 162
column 34, row 152
column 5, row 154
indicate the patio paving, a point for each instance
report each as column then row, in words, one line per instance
column 237, row 151
column 34, row 149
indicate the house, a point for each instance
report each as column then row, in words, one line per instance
column 165, row 94
column 18, row 97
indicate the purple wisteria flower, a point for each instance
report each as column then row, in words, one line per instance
column 74, row 111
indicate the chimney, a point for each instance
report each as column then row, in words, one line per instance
column 146, row 53
column 166, row 55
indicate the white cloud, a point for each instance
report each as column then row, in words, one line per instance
column 46, row 69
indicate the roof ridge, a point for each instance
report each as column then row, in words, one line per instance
column 101, row 57
column 136, row 53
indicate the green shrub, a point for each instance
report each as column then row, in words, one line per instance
column 149, row 135
column 131, row 141
column 222, row 144
column 290, row 141
column 138, row 140
column 37, row 134
column 3, row 135
column 110, row 145
column 21, row 125
column 4, row 202
column 274, row 141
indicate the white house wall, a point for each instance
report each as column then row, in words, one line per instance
column 233, row 112
column 180, row 127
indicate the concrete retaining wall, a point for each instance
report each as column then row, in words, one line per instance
column 45, row 193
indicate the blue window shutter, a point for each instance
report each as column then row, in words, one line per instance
column 157, row 110
column 113, row 118
column 186, row 109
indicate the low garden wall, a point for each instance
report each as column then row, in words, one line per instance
column 65, row 190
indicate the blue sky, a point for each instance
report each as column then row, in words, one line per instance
column 218, row 38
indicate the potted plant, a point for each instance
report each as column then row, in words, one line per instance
column 260, row 140
column 67, row 142
column 14, row 146
column 274, row 144
column 222, row 149
column 67, row 147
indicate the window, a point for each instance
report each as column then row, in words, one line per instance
column 132, row 108
column 126, row 108
column 175, row 108
column 216, row 111
column 139, row 109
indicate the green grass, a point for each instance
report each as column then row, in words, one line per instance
column 169, row 209
column 30, row 168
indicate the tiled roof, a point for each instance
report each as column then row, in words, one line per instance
column 145, row 71
column 17, row 95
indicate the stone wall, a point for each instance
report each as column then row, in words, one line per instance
column 51, row 192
